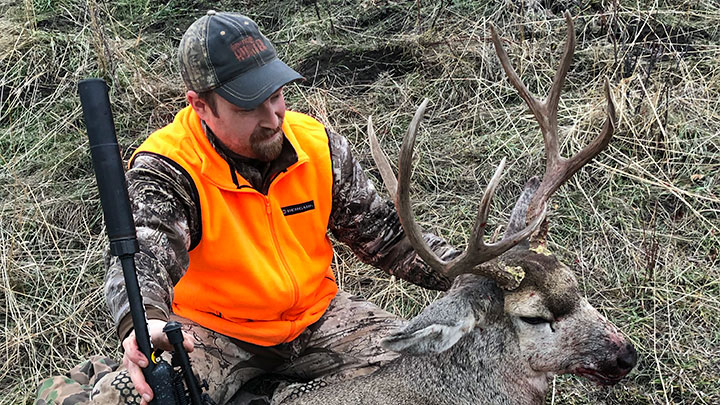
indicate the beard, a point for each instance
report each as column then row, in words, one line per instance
column 265, row 145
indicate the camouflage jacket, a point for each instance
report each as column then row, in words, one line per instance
column 167, row 219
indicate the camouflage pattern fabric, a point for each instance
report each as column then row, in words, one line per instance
column 74, row 387
column 198, row 71
column 343, row 344
column 167, row 219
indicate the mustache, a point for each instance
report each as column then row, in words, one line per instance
column 265, row 133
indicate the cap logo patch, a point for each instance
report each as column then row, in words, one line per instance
column 247, row 47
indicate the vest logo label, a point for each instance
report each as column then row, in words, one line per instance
column 298, row 208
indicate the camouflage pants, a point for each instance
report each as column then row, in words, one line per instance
column 343, row 344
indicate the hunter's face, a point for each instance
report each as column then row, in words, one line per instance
column 255, row 134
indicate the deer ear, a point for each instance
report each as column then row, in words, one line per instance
column 517, row 219
column 436, row 329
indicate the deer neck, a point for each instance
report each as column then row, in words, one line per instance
column 491, row 358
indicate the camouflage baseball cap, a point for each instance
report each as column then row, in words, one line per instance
column 227, row 53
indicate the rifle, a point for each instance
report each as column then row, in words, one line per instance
column 167, row 382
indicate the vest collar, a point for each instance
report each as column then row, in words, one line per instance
column 213, row 166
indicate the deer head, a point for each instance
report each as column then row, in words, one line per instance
column 554, row 326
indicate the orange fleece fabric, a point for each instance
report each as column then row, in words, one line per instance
column 261, row 271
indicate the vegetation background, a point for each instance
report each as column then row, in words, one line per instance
column 639, row 224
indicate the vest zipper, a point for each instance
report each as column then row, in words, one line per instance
column 288, row 271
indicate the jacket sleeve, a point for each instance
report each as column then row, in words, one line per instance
column 370, row 226
column 166, row 220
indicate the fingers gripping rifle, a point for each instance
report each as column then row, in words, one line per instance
column 168, row 383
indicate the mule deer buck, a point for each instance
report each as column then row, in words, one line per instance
column 493, row 339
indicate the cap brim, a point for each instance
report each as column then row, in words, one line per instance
column 253, row 87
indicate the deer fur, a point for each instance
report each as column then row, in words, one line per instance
column 472, row 346
column 480, row 343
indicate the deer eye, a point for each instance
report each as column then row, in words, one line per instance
column 534, row 320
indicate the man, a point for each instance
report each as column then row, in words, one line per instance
column 232, row 204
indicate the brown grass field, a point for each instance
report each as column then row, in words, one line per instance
column 640, row 224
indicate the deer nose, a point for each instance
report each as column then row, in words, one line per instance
column 627, row 358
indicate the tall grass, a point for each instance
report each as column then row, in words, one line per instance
column 640, row 224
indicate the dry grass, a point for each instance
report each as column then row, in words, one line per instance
column 640, row 224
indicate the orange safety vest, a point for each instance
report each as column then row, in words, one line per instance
column 261, row 271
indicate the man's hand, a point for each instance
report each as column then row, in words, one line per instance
column 134, row 360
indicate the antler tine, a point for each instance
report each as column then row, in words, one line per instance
column 476, row 238
column 478, row 251
column 535, row 105
column 545, row 112
column 558, row 169
column 402, row 197
column 382, row 161
column 568, row 167
column 553, row 96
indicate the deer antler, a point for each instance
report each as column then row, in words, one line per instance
column 478, row 252
column 558, row 169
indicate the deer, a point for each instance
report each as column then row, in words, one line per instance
column 514, row 316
